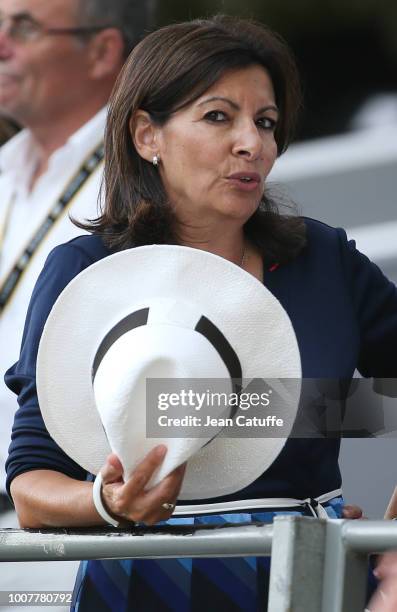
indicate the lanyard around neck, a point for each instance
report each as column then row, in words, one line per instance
column 58, row 210
column 5, row 220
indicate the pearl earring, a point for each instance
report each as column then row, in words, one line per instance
column 156, row 160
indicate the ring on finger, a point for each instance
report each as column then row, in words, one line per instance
column 167, row 506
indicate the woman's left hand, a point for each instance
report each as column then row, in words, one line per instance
column 352, row 512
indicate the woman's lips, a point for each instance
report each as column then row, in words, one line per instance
column 245, row 181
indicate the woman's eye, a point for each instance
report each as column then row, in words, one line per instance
column 265, row 123
column 215, row 116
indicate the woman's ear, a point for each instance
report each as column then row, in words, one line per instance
column 143, row 133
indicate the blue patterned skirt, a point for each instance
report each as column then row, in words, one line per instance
column 183, row 585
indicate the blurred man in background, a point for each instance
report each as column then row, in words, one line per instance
column 58, row 63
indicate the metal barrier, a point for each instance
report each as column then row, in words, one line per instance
column 322, row 566
column 317, row 565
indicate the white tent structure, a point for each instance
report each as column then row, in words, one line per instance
column 349, row 181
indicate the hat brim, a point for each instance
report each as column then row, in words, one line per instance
column 250, row 317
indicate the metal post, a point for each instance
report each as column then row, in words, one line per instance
column 297, row 561
column 345, row 572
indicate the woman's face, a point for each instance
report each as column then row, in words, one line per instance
column 217, row 152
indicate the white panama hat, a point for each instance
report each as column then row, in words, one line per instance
column 162, row 311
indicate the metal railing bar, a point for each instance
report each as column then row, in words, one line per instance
column 370, row 536
column 50, row 545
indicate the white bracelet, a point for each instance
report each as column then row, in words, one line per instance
column 98, row 503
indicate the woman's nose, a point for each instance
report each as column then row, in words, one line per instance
column 248, row 142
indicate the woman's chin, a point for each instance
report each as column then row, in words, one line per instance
column 239, row 211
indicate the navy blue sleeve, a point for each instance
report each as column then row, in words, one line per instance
column 31, row 446
column 374, row 300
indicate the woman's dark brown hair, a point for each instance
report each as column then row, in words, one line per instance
column 166, row 71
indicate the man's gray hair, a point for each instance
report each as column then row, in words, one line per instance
column 132, row 17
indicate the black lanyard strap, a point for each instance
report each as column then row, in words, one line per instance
column 58, row 209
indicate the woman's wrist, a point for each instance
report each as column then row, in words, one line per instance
column 102, row 509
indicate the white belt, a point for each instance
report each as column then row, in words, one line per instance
column 314, row 504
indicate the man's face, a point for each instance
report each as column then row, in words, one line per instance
column 41, row 76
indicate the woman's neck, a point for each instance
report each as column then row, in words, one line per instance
column 232, row 247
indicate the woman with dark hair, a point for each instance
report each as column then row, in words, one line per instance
column 186, row 60
column 197, row 119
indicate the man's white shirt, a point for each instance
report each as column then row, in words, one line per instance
column 21, row 213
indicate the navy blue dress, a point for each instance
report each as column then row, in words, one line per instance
column 344, row 312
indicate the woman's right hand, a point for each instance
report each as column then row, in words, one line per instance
column 129, row 500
